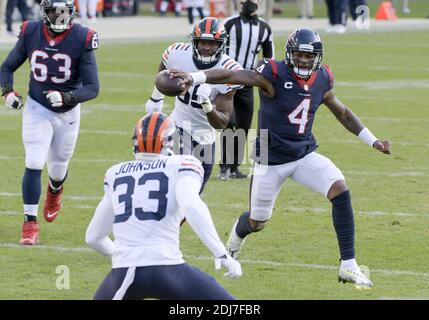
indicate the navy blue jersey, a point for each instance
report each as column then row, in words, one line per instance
column 64, row 63
column 289, row 115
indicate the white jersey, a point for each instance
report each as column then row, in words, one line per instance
column 187, row 114
column 147, row 215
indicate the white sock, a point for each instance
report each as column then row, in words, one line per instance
column 349, row 264
column 31, row 209
column 163, row 7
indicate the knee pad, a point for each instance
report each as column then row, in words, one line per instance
column 57, row 170
column 35, row 157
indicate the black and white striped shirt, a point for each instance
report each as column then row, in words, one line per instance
column 246, row 39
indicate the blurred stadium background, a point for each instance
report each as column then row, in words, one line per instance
column 381, row 74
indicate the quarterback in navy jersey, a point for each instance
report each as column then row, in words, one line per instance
column 291, row 91
column 63, row 75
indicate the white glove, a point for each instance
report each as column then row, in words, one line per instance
column 233, row 266
column 13, row 100
column 152, row 106
column 55, row 98
column 203, row 97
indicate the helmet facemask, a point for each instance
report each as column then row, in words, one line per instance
column 59, row 15
column 302, row 66
column 209, row 56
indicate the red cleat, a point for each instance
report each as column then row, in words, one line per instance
column 52, row 204
column 30, row 233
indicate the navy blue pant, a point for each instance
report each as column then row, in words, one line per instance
column 353, row 4
column 337, row 11
column 22, row 7
column 201, row 152
column 175, row 282
column 241, row 119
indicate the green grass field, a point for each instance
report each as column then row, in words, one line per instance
column 383, row 77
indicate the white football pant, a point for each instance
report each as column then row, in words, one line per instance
column 314, row 171
column 49, row 136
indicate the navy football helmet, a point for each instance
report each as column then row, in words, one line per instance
column 58, row 14
column 306, row 41
column 210, row 29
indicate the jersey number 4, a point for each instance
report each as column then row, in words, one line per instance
column 127, row 198
column 300, row 115
column 40, row 69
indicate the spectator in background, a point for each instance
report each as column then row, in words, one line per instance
column 353, row 4
column 190, row 5
column 88, row 10
column 337, row 13
column 164, row 6
column 305, row 8
column 10, row 7
column 405, row 8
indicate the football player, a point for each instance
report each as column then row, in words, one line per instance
column 63, row 75
column 291, row 92
column 203, row 108
column 144, row 201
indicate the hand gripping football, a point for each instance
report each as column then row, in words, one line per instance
column 167, row 86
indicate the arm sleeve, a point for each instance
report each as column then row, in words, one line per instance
column 89, row 76
column 100, row 227
column 197, row 213
column 268, row 45
column 13, row 61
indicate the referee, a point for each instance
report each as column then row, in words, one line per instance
column 247, row 36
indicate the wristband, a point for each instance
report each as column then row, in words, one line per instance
column 207, row 106
column 367, row 137
column 198, row 77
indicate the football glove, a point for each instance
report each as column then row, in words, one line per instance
column 13, row 100
column 203, row 97
column 233, row 266
column 55, row 98
column 154, row 105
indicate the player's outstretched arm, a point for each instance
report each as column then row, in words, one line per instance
column 155, row 102
column 352, row 123
column 100, row 227
column 219, row 76
column 198, row 217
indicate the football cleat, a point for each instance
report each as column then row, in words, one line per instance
column 30, row 233
column 224, row 173
column 52, row 204
column 237, row 174
column 234, row 243
column 354, row 275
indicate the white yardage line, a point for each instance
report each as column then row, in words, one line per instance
column 46, row 247
column 246, row 261
column 385, row 84
column 217, row 205
column 77, row 198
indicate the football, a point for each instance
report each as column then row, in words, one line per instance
column 167, row 86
